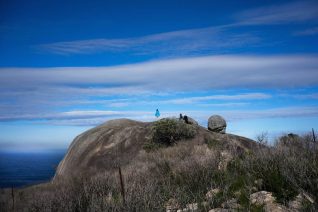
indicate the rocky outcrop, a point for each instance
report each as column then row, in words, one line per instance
column 107, row 146
column 220, row 210
column 217, row 123
column 210, row 195
column 172, row 205
column 299, row 201
column 268, row 201
column 262, row 198
column 119, row 142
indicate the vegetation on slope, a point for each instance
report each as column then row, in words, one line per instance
column 169, row 131
column 186, row 173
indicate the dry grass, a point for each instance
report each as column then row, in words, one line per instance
column 185, row 172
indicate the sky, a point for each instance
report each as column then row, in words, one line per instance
column 67, row 66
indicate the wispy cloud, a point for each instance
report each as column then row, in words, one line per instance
column 36, row 91
column 184, row 74
column 228, row 104
column 190, row 100
column 292, row 12
column 72, row 115
column 301, row 96
column 311, row 31
column 91, row 118
column 198, row 100
column 180, row 42
column 273, row 113
column 207, row 40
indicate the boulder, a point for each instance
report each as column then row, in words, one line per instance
column 217, row 123
column 193, row 207
column 231, row 204
column 300, row 200
column 172, row 205
column 210, row 195
column 267, row 199
column 262, row 197
column 220, row 210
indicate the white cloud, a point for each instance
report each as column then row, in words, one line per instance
column 91, row 118
column 190, row 100
column 184, row 74
column 301, row 96
column 229, row 104
column 292, row 12
column 283, row 112
column 72, row 115
column 198, row 100
column 37, row 91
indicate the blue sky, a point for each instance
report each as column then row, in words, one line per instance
column 67, row 66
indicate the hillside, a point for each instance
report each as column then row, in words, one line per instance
column 176, row 165
column 119, row 142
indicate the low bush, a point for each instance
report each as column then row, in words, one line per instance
column 169, row 131
column 213, row 143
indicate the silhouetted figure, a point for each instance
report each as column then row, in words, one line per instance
column 180, row 117
column 185, row 118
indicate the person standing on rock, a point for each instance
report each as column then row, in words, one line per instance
column 157, row 114
column 185, row 118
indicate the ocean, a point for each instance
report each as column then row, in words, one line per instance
column 20, row 169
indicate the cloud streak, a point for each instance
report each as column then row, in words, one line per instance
column 184, row 74
column 293, row 12
column 307, row 32
column 38, row 92
column 189, row 41
column 190, row 100
column 207, row 40
column 90, row 118
column 198, row 100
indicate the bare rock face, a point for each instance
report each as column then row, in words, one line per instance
column 217, row 123
column 104, row 147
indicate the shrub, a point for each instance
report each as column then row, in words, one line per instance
column 151, row 146
column 169, row 131
column 213, row 143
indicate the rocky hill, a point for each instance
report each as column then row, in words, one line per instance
column 119, row 142
column 176, row 165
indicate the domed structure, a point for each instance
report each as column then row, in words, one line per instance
column 217, row 123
